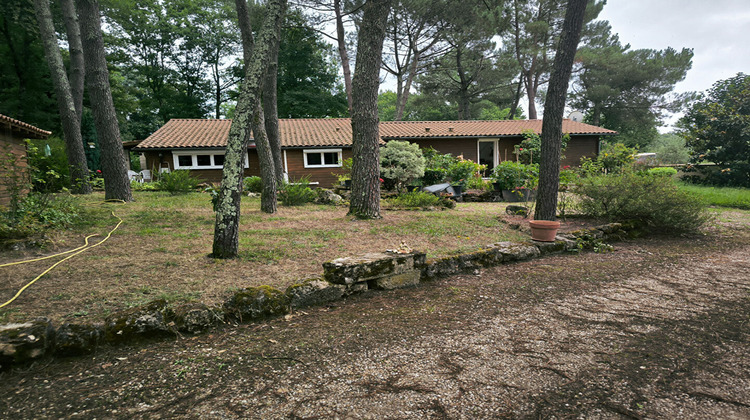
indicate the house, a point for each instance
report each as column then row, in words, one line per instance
column 316, row 147
column 15, row 170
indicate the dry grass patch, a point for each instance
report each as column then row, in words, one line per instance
column 161, row 249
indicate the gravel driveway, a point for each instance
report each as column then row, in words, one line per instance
column 659, row 328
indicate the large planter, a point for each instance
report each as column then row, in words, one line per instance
column 544, row 230
column 457, row 189
column 515, row 196
column 497, row 186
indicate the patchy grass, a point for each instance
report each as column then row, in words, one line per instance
column 738, row 198
column 161, row 251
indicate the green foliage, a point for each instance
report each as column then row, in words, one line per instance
column 717, row 128
column 515, row 175
column 477, row 183
column 178, row 182
column 461, row 170
column 296, row 193
column 415, row 199
column 669, row 149
column 143, row 186
column 738, row 198
column 665, row 172
column 654, row 200
column 401, row 161
column 436, row 166
column 253, row 184
column 613, row 158
column 135, row 161
column 530, row 148
column 565, row 201
column 48, row 173
column 37, row 213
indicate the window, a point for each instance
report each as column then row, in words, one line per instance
column 325, row 158
column 200, row 160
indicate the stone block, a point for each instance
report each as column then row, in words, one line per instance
column 513, row 251
column 193, row 318
column 77, row 339
column 256, row 303
column 397, row 281
column 145, row 321
column 25, row 342
column 370, row 266
column 312, row 292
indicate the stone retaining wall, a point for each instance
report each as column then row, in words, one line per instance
column 29, row 341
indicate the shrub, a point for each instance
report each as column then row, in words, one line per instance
column 613, row 158
column 179, row 181
column 49, row 173
column 253, row 184
column 297, row 193
column 665, row 172
column 462, row 170
column 477, row 183
column 530, row 149
column 654, row 200
column 512, row 175
column 421, row 199
column 436, row 166
column 401, row 161
column 37, row 213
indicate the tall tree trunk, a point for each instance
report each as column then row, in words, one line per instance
column 554, row 106
column 265, row 159
column 79, row 171
column 76, row 73
column 531, row 95
column 516, row 99
column 365, row 198
column 271, row 111
column 226, row 229
column 401, row 102
column 343, row 54
column 114, row 162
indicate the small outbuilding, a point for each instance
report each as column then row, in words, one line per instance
column 12, row 136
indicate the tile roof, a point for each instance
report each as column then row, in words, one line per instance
column 26, row 129
column 329, row 132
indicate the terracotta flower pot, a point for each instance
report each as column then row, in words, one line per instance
column 544, row 230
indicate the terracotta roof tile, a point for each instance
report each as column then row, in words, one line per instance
column 28, row 129
column 329, row 132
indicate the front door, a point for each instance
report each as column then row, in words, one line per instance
column 488, row 155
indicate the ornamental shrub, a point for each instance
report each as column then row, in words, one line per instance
column 654, row 200
column 460, row 171
column 400, row 162
column 665, row 172
column 39, row 212
column 436, row 166
column 178, row 182
column 511, row 175
column 253, row 184
column 296, row 193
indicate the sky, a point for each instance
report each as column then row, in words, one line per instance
column 718, row 31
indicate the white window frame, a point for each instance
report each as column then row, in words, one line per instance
column 194, row 158
column 322, row 159
column 496, row 150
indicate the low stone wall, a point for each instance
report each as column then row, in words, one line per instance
column 25, row 342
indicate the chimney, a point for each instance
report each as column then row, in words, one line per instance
column 427, row 129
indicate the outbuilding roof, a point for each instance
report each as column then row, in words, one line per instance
column 337, row 132
column 23, row 129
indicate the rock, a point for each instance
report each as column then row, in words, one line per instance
column 512, row 251
column 516, row 210
column 355, row 288
column 193, row 318
column 312, row 292
column 256, row 303
column 397, row 281
column 328, row 197
column 77, row 339
column 145, row 321
column 550, row 247
column 371, row 266
column 22, row 343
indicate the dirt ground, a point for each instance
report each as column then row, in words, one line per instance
column 660, row 328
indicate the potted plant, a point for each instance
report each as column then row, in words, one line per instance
column 345, row 177
column 516, row 180
column 459, row 172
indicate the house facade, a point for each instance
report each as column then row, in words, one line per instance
column 316, row 147
column 12, row 136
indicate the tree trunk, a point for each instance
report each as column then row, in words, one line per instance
column 365, row 198
column 226, row 230
column 113, row 160
column 531, row 96
column 343, row 54
column 266, row 161
column 76, row 54
column 79, row 171
column 271, row 111
column 516, row 99
column 554, row 106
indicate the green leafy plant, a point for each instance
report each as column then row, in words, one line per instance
column 665, row 172
column 296, row 193
column 421, row 199
column 178, row 182
column 400, row 162
column 657, row 201
column 346, row 170
column 529, row 151
column 436, row 166
column 49, row 172
column 515, row 175
column 253, row 184
column 39, row 212
column 612, row 159
column 568, row 179
column 462, row 170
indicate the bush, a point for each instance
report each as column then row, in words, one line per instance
column 253, row 184
column 477, row 183
column 530, row 149
column 401, row 161
column 652, row 199
column 462, row 170
column 179, row 181
column 37, row 213
column 48, row 173
column 436, row 166
column 421, row 199
column 665, row 172
column 297, row 193
column 511, row 175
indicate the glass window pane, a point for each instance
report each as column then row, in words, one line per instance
column 204, row 160
column 219, row 160
column 185, row 160
column 331, row 158
column 314, row 159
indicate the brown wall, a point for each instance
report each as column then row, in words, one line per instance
column 154, row 161
column 9, row 142
column 456, row 147
column 324, row 176
column 579, row 147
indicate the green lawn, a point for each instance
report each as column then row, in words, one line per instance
column 720, row 196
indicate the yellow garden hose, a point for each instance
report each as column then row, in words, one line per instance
column 78, row 250
column 85, row 244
